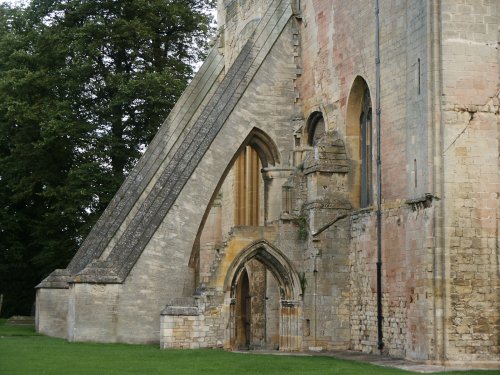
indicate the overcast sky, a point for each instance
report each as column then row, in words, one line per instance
column 13, row 1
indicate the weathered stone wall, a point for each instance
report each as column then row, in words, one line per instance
column 337, row 46
column 93, row 313
column 210, row 242
column 185, row 332
column 52, row 311
column 193, row 325
column 470, row 178
column 237, row 20
column 327, row 297
column 363, row 305
column 407, row 281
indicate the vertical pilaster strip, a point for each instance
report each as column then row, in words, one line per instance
column 437, row 182
column 380, row 317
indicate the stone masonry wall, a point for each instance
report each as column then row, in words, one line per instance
column 52, row 311
column 337, row 46
column 363, row 306
column 407, row 282
column 471, row 180
column 192, row 327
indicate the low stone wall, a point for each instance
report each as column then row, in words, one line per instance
column 187, row 325
column 183, row 332
column 52, row 312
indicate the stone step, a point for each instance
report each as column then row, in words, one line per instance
column 18, row 320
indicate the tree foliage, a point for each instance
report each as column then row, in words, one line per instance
column 84, row 85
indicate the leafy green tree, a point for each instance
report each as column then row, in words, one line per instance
column 84, row 85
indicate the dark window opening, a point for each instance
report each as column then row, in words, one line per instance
column 316, row 129
column 366, row 150
column 297, row 141
column 418, row 76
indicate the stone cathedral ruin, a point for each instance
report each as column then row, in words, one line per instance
column 328, row 180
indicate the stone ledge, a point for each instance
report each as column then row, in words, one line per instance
column 327, row 167
column 180, row 311
column 58, row 279
column 98, row 271
column 422, row 202
column 337, row 202
column 185, row 306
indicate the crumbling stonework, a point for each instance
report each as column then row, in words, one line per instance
column 251, row 221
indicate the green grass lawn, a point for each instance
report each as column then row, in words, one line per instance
column 22, row 351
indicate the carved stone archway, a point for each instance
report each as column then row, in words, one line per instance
column 290, row 303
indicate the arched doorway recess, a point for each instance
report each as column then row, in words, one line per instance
column 264, row 311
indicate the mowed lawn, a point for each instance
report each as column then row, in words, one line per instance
column 22, row 351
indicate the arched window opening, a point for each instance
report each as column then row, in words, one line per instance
column 239, row 200
column 366, row 149
column 316, row 128
column 359, row 142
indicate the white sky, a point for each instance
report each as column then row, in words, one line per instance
column 13, row 2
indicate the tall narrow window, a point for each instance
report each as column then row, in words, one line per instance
column 366, row 149
column 288, row 199
column 247, row 188
column 418, row 78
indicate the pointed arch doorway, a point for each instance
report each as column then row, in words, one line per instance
column 256, row 308
column 265, row 300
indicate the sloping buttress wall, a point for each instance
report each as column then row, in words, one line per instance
column 260, row 95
